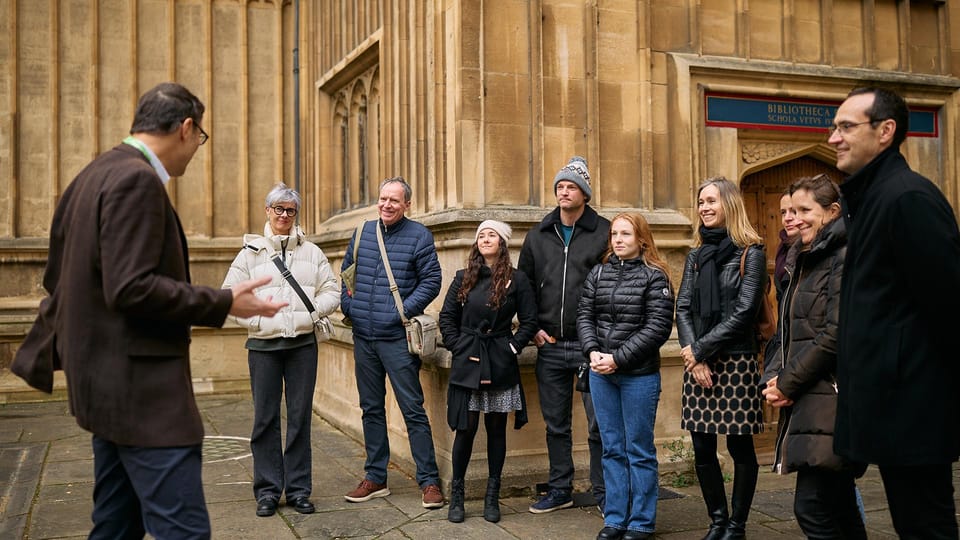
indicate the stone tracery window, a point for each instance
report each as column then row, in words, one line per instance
column 357, row 135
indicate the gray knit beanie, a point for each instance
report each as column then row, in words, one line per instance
column 575, row 171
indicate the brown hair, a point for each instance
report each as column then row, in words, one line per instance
column 502, row 271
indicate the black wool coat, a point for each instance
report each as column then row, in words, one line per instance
column 898, row 356
column 479, row 337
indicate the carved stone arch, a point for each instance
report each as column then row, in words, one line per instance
column 757, row 156
column 772, row 168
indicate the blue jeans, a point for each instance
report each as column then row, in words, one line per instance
column 626, row 407
column 375, row 360
column 140, row 490
column 278, row 469
column 556, row 369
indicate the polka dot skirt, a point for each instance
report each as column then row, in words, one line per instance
column 734, row 406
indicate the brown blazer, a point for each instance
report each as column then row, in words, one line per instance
column 121, row 305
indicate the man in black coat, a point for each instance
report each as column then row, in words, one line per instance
column 898, row 312
column 556, row 255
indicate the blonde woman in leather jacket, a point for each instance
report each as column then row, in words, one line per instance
column 717, row 310
column 282, row 351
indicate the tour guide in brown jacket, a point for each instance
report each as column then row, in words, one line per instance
column 117, row 319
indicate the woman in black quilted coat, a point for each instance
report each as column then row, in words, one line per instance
column 717, row 308
column 803, row 370
column 476, row 324
column 625, row 316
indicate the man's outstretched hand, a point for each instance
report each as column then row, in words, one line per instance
column 247, row 304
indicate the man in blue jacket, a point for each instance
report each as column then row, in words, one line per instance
column 898, row 318
column 380, row 340
column 556, row 255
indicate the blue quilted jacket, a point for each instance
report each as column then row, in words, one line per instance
column 416, row 269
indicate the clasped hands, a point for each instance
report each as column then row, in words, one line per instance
column 602, row 363
column 774, row 396
column 700, row 371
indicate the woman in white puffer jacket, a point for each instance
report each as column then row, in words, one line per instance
column 282, row 351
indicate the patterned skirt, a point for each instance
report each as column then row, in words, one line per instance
column 497, row 401
column 733, row 406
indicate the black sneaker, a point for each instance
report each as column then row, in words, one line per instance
column 555, row 499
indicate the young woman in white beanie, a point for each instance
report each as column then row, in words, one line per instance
column 476, row 323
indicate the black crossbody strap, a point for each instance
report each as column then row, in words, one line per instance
column 278, row 260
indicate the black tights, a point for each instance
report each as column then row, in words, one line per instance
column 496, row 426
column 740, row 447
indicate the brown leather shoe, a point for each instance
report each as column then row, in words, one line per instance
column 367, row 490
column 432, row 498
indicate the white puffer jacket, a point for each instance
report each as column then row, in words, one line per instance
column 308, row 265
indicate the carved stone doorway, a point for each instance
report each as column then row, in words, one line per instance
column 761, row 193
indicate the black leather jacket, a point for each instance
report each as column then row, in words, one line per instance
column 740, row 302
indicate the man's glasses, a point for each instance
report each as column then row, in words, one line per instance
column 846, row 127
column 279, row 210
column 204, row 136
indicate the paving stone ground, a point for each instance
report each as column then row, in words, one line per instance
column 46, row 485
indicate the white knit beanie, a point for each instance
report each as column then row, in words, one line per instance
column 500, row 227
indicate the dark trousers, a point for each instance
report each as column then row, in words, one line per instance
column 921, row 501
column 278, row 469
column 825, row 503
column 141, row 490
column 374, row 361
column 556, row 370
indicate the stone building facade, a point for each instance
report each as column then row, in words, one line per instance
column 477, row 104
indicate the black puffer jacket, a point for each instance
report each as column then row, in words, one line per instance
column 740, row 304
column 810, row 318
column 626, row 309
column 557, row 272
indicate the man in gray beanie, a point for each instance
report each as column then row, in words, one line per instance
column 556, row 255
column 575, row 171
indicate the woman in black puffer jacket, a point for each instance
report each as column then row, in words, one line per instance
column 625, row 316
column 804, row 386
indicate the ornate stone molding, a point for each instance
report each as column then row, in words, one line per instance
column 751, row 152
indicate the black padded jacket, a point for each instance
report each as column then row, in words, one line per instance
column 626, row 309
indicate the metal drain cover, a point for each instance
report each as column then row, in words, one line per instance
column 218, row 448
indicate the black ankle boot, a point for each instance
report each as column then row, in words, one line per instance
column 711, row 485
column 744, row 486
column 491, row 501
column 455, row 513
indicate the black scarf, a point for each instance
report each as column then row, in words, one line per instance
column 717, row 247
